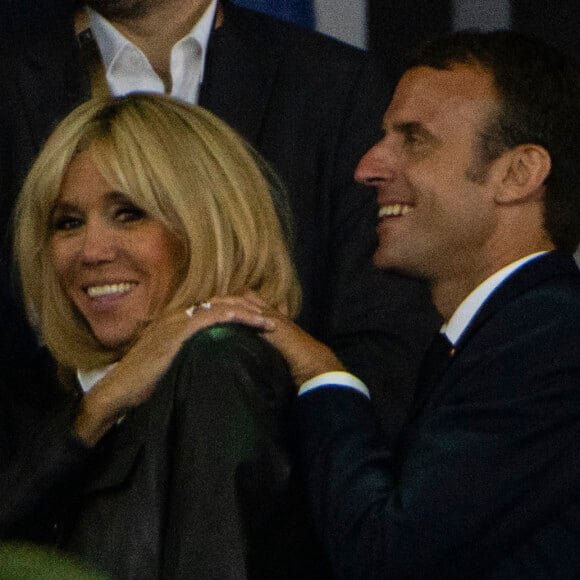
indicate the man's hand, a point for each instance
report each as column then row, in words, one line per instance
column 306, row 356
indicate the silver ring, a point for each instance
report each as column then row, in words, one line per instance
column 192, row 309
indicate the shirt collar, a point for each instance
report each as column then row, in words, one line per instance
column 467, row 310
column 112, row 44
column 202, row 30
column 110, row 41
column 88, row 379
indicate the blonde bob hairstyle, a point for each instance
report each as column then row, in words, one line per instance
column 182, row 166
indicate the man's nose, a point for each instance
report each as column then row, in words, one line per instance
column 375, row 166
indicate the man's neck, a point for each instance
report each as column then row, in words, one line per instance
column 157, row 30
column 448, row 294
column 449, row 291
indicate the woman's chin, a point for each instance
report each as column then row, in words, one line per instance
column 119, row 345
column 117, row 339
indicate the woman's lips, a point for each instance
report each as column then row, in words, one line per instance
column 100, row 290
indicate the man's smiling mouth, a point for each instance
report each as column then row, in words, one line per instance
column 394, row 210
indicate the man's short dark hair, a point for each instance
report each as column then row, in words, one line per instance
column 539, row 92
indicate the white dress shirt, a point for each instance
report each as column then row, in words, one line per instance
column 466, row 311
column 128, row 70
column 453, row 329
column 88, row 379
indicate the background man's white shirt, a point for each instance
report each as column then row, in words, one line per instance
column 127, row 69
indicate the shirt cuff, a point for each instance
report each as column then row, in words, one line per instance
column 334, row 379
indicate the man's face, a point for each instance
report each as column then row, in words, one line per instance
column 435, row 207
column 132, row 9
column 120, row 9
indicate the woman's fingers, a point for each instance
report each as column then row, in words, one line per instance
column 133, row 379
column 239, row 309
column 306, row 356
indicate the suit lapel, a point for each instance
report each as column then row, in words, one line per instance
column 140, row 437
column 553, row 264
column 240, row 73
column 435, row 364
column 239, row 76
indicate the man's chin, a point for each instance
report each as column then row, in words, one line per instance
column 384, row 261
column 119, row 9
column 391, row 264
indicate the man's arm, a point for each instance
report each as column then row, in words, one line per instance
column 491, row 465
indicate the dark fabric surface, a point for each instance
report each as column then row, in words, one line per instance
column 195, row 483
column 198, row 483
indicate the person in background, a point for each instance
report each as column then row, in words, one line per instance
column 168, row 453
column 310, row 105
column 478, row 187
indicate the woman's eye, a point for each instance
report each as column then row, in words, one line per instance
column 66, row 222
column 129, row 214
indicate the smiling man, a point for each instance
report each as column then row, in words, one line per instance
column 479, row 193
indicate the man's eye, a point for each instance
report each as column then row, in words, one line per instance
column 412, row 139
column 66, row 222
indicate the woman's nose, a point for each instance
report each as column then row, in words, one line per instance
column 99, row 243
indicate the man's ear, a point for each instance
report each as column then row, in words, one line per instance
column 524, row 170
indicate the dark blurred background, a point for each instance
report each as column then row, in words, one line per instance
column 391, row 27
column 396, row 27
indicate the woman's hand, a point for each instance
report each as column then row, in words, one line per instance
column 133, row 379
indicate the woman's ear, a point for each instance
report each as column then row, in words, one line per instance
column 524, row 171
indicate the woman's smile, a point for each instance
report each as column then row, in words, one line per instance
column 119, row 288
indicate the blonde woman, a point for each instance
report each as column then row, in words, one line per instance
column 139, row 216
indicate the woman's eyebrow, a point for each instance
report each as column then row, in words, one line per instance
column 64, row 206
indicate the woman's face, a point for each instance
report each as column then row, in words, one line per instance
column 118, row 265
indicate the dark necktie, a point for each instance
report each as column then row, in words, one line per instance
column 435, row 363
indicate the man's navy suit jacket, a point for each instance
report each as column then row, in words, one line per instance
column 484, row 481
column 312, row 106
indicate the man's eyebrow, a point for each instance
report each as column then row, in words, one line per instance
column 415, row 129
column 412, row 127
